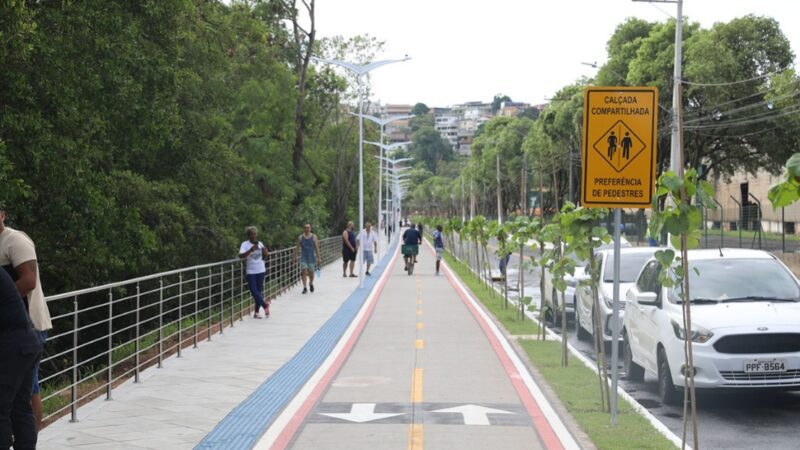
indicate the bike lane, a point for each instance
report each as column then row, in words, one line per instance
column 428, row 368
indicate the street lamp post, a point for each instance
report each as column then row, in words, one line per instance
column 384, row 148
column 398, row 177
column 360, row 70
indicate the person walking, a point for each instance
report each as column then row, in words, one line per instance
column 349, row 249
column 20, row 349
column 368, row 240
column 18, row 258
column 255, row 252
column 309, row 256
column 438, row 246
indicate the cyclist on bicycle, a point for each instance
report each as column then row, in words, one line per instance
column 411, row 240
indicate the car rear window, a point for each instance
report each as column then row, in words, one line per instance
column 629, row 267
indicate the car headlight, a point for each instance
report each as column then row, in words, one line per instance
column 699, row 334
column 608, row 300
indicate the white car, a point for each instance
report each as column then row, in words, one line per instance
column 631, row 263
column 745, row 307
column 552, row 311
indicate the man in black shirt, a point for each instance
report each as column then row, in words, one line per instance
column 20, row 346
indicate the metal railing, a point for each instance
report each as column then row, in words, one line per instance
column 107, row 334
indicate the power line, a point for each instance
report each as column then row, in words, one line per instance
column 730, row 83
column 742, row 108
column 758, row 118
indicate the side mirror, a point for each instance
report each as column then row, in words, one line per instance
column 647, row 299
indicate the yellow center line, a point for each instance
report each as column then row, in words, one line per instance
column 415, row 437
column 416, row 386
column 419, row 312
column 420, row 325
column 420, row 344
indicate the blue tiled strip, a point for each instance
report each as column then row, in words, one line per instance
column 245, row 424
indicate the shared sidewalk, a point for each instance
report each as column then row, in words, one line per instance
column 228, row 392
column 176, row 406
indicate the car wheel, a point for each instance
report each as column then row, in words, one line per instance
column 633, row 371
column 666, row 389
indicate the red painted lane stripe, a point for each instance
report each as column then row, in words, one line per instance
column 540, row 422
column 300, row 416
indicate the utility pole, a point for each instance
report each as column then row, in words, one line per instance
column 499, row 194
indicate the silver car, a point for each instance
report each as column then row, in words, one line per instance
column 631, row 263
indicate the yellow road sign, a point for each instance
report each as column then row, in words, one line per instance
column 619, row 147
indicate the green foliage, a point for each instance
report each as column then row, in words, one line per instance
column 429, row 148
column 681, row 216
column 143, row 136
column 787, row 191
column 420, row 109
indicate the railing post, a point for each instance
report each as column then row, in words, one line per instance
column 160, row 322
column 241, row 294
column 110, row 359
column 74, row 390
column 221, row 300
column 739, row 220
column 208, row 323
column 180, row 313
column 783, row 230
column 196, row 307
column 233, row 300
column 137, row 344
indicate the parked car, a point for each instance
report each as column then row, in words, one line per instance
column 550, row 302
column 745, row 324
column 631, row 263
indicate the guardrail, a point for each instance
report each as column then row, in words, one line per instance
column 104, row 335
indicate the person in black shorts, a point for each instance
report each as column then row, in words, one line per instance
column 20, row 346
column 411, row 237
column 349, row 250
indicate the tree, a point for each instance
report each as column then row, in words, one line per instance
column 429, row 149
column 497, row 102
column 420, row 109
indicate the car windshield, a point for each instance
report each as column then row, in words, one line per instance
column 629, row 267
column 728, row 280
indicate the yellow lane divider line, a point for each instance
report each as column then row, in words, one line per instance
column 415, row 432
column 420, row 325
column 420, row 344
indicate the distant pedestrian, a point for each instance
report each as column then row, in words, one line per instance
column 18, row 258
column 438, row 246
column 255, row 252
column 419, row 227
column 349, row 249
column 309, row 256
column 20, row 348
column 368, row 241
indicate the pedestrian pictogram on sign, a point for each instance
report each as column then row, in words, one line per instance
column 619, row 146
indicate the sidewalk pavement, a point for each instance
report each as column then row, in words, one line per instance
column 176, row 406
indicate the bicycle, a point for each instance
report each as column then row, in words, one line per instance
column 409, row 252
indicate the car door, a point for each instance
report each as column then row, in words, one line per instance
column 641, row 326
column 586, row 300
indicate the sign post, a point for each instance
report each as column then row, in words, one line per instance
column 618, row 170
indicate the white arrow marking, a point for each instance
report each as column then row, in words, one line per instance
column 474, row 414
column 360, row 413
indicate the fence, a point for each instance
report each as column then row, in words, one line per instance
column 112, row 332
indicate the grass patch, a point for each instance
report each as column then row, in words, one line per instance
column 576, row 385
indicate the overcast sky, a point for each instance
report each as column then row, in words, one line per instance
column 465, row 50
